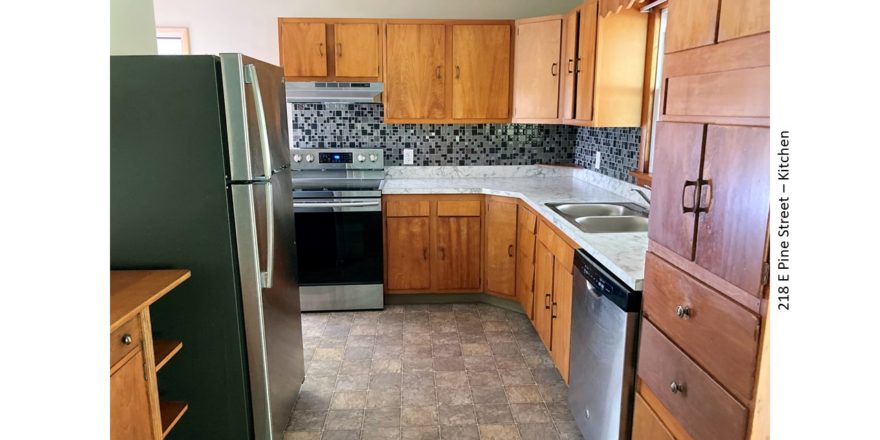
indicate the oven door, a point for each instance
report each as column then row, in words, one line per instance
column 339, row 241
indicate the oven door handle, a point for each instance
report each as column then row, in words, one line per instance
column 373, row 205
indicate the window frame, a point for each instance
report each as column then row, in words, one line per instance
column 642, row 174
column 181, row 33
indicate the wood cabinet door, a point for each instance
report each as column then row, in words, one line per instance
column 457, row 254
column 481, row 71
column 130, row 401
column 537, row 70
column 304, row 49
column 677, row 155
column 646, row 423
column 586, row 60
column 569, row 62
column 525, row 260
column 415, row 71
column 740, row 18
column 735, row 205
column 501, row 247
column 691, row 23
column 357, row 50
column 407, row 241
column 543, row 292
column 560, row 346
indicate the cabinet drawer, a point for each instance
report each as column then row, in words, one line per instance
column 545, row 234
column 702, row 407
column 563, row 252
column 131, row 333
column 717, row 333
column 459, row 208
column 407, row 208
column 527, row 219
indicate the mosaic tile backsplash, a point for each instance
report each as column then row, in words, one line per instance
column 330, row 125
column 359, row 125
column 619, row 148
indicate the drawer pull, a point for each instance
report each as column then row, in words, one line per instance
column 547, row 301
column 553, row 311
column 676, row 387
column 683, row 312
column 510, row 250
column 126, row 339
column 425, row 254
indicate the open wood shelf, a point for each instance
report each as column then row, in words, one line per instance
column 164, row 350
column 171, row 411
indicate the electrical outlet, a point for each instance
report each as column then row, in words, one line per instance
column 598, row 160
column 408, row 156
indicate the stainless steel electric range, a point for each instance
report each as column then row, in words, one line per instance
column 338, row 214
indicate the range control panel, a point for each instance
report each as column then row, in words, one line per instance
column 337, row 159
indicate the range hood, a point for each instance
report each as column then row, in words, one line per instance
column 334, row 92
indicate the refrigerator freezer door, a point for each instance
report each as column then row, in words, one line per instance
column 271, row 314
column 256, row 116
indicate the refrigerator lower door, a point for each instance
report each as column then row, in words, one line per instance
column 264, row 230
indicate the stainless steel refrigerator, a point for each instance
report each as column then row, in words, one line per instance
column 200, row 179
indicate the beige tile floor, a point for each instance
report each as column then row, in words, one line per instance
column 450, row 371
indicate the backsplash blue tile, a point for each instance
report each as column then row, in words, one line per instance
column 360, row 125
column 326, row 125
column 619, row 148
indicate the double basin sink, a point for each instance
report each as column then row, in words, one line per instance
column 603, row 218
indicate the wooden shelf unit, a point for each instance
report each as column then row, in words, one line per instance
column 172, row 411
column 164, row 350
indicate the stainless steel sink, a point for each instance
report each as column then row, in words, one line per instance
column 603, row 218
column 600, row 225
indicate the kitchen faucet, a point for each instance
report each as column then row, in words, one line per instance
column 641, row 192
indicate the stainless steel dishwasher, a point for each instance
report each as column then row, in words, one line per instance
column 604, row 333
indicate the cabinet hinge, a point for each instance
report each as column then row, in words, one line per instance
column 765, row 274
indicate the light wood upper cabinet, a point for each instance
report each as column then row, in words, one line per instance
column 303, row 49
column 415, row 73
column 357, row 50
column 537, row 70
column 501, row 245
column 571, row 21
column 481, row 71
column 609, row 67
column 740, row 18
column 330, row 49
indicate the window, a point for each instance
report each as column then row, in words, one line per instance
column 172, row 41
column 653, row 93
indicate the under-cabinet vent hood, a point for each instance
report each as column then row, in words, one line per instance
column 334, row 92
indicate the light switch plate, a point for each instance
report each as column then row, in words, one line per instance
column 408, row 156
column 598, row 160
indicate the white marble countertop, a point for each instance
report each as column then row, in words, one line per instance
column 621, row 253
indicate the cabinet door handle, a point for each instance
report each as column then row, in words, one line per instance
column 570, row 65
column 554, row 69
column 553, row 311
column 547, row 301
column 683, row 312
column 457, row 72
column 579, row 65
column 339, row 50
column 676, row 387
column 321, row 49
column 425, row 254
column 510, row 250
column 693, row 208
column 438, row 70
column 442, row 253
column 705, row 194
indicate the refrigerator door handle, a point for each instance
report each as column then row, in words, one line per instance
column 250, row 77
column 266, row 277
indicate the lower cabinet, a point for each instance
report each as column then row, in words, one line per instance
column 646, row 424
column 501, row 252
column 131, row 411
column 525, row 260
column 433, row 244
